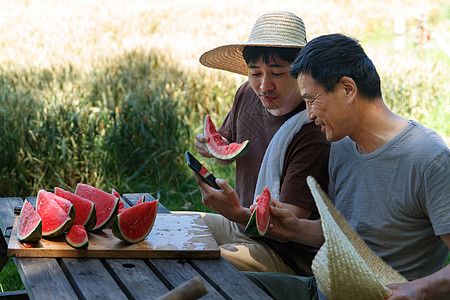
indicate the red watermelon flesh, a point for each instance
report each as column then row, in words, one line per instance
column 29, row 228
column 142, row 199
column 259, row 221
column 263, row 211
column 85, row 209
column 55, row 221
column 106, row 204
column 66, row 205
column 218, row 147
column 121, row 205
column 77, row 237
column 135, row 223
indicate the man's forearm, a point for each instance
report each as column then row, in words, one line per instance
column 436, row 285
column 309, row 233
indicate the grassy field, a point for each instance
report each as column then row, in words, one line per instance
column 111, row 93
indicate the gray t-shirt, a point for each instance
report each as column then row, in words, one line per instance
column 397, row 198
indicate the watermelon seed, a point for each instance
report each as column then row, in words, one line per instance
column 129, row 266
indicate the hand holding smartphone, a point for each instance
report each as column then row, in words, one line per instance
column 198, row 168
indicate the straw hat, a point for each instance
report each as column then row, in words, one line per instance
column 345, row 267
column 275, row 29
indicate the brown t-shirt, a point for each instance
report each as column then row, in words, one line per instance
column 307, row 154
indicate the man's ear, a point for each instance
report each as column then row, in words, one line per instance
column 350, row 87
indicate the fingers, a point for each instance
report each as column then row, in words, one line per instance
column 224, row 186
column 200, row 141
column 201, row 138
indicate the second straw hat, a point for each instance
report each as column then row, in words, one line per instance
column 345, row 267
column 275, row 29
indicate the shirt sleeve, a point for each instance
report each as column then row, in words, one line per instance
column 307, row 155
column 435, row 191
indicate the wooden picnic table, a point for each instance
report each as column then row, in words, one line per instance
column 121, row 278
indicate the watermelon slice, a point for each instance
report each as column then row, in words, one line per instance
column 29, row 228
column 106, row 204
column 141, row 200
column 77, row 237
column 135, row 223
column 67, row 206
column 86, row 214
column 121, row 205
column 260, row 219
column 55, row 221
column 218, row 147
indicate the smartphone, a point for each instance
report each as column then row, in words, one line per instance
column 198, row 168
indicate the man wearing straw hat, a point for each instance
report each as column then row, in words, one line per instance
column 284, row 146
column 388, row 233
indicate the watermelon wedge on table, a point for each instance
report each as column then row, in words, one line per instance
column 66, row 205
column 29, row 228
column 135, row 223
column 121, row 205
column 55, row 221
column 77, row 237
column 106, row 204
column 141, row 200
column 86, row 213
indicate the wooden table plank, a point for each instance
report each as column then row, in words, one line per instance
column 6, row 217
column 228, row 279
column 136, row 279
column 177, row 272
column 37, row 270
column 35, row 274
column 90, row 279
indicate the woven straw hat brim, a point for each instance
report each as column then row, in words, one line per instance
column 229, row 57
column 276, row 29
column 345, row 267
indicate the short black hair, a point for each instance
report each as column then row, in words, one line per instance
column 328, row 58
column 252, row 53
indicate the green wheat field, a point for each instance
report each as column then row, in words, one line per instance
column 110, row 93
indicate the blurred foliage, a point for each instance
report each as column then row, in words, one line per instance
column 124, row 125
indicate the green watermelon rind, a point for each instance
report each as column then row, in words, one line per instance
column 92, row 220
column 34, row 235
column 118, row 233
column 241, row 152
column 60, row 230
column 213, row 149
column 82, row 245
column 251, row 228
column 111, row 218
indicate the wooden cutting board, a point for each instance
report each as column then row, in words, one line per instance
column 172, row 236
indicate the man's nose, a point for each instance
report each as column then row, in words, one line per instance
column 311, row 115
column 266, row 83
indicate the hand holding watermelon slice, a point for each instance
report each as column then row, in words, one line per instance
column 218, row 147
